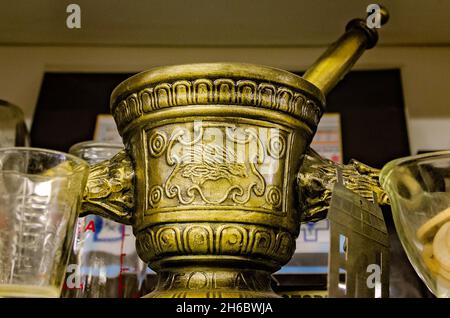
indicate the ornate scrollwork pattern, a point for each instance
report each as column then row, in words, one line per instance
column 274, row 196
column 317, row 176
column 227, row 91
column 216, row 164
column 157, row 242
column 213, row 283
column 110, row 189
column 277, row 146
column 157, row 143
column 200, row 162
column 155, row 195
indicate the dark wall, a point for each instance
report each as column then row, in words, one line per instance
column 372, row 115
column 68, row 105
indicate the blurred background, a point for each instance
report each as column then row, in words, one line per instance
column 394, row 103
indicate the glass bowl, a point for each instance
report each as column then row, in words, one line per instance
column 419, row 191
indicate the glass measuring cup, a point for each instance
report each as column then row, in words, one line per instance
column 40, row 194
column 104, row 262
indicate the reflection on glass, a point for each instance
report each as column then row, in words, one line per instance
column 40, row 193
column 104, row 261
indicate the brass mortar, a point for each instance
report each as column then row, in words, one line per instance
column 217, row 174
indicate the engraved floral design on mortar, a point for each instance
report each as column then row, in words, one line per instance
column 201, row 160
column 216, row 163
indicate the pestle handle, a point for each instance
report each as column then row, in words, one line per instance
column 339, row 58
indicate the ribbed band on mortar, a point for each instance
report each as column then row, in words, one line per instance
column 248, row 85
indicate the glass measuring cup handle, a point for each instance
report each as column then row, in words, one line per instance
column 317, row 176
column 110, row 189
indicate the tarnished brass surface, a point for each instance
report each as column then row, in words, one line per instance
column 318, row 175
column 110, row 189
column 209, row 177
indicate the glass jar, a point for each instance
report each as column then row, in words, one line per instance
column 419, row 191
column 13, row 130
column 104, row 262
